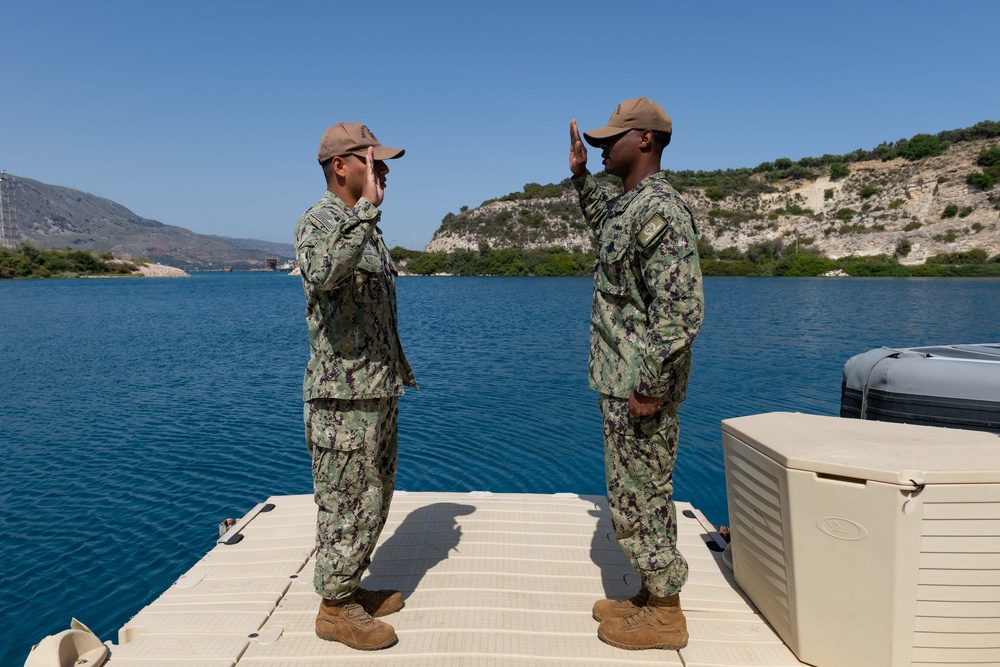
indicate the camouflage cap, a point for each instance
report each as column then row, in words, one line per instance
column 637, row 113
column 353, row 139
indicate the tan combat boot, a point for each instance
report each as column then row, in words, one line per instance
column 379, row 603
column 660, row 624
column 347, row 622
column 621, row 608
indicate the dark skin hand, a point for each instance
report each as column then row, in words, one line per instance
column 638, row 404
column 642, row 406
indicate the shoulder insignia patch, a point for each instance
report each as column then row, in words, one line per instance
column 324, row 218
column 651, row 231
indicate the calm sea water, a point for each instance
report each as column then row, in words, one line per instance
column 137, row 414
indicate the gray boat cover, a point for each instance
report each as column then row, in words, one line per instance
column 947, row 385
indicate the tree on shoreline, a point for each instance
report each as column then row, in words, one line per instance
column 772, row 259
column 27, row 261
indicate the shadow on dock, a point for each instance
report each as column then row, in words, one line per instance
column 425, row 538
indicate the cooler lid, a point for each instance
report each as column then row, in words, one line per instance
column 871, row 450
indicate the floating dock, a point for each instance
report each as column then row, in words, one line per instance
column 491, row 580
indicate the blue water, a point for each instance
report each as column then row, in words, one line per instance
column 137, row 414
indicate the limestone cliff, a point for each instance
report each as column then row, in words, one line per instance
column 913, row 210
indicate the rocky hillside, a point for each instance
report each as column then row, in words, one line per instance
column 550, row 218
column 51, row 216
column 910, row 209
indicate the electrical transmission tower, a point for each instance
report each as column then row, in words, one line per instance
column 8, row 230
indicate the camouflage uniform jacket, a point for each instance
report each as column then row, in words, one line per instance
column 350, row 284
column 648, row 301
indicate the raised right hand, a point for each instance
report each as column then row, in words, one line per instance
column 372, row 188
column 577, row 151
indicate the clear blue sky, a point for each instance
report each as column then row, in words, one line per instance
column 207, row 115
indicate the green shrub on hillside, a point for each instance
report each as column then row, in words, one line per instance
column 986, row 129
column 921, row 146
column 950, row 211
column 989, row 157
column 978, row 179
column 715, row 193
column 733, row 217
column 853, row 229
column 795, row 209
column 838, row 170
column 989, row 160
column 975, row 256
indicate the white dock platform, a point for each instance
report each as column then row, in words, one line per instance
column 491, row 580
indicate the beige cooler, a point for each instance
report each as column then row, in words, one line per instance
column 868, row 543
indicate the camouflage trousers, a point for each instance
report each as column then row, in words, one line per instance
column 353, row 448
column 639, row 458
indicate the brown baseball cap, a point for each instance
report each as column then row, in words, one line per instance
column 353, row 139
column 637, row 113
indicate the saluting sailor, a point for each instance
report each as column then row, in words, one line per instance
column 648, row 307
column 355, row 374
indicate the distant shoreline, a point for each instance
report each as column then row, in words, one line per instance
column 152, row 270
column 144, row 271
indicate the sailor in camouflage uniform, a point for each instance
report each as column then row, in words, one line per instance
column 355, row 374
column 647, row 309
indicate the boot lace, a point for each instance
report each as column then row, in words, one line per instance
column 640, row 617
column 356, row 614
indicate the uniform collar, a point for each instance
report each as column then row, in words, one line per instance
column 649, row 180
column 626, row 198
column 334, row 199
